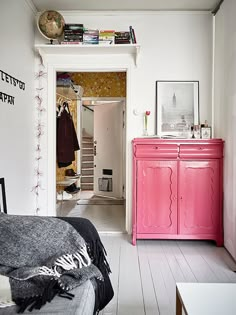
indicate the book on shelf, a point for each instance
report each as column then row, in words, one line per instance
column 73, row 35
column 105, row 42
column 90, row 42
column 91, row 31
column 122, row 37
column 107, row 31
column 73, row 32
column 106, row 37
column 71, row 43
column 79, row 31
column 122, row 34
column 75, row 38
column 132, row 35
column 91, row 36
column 73, row 27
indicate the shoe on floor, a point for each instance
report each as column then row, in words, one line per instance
column 72, row 189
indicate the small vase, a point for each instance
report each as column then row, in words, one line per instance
column 145, row 129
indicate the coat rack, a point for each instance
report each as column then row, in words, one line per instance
column 61, row 98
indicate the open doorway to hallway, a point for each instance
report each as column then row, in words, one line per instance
column 102, row 147
column 101, row 159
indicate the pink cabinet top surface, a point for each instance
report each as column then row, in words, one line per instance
column 178, row 148
column 176, row 141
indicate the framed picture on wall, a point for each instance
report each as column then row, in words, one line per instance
column 177, row 107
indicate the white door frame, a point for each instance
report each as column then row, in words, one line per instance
column 52, row 69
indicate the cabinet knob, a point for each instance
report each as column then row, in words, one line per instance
column 200, row 148
column 156, row 148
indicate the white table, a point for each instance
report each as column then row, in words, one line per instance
column 206, row 298
column 60, row 189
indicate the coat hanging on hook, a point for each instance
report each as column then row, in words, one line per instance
column 67, row 141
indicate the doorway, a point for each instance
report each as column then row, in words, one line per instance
column 102, row 147
column 101, row 162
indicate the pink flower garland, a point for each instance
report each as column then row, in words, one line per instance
column 40, row 75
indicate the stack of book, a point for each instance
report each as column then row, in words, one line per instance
column 90, row 37
column 122, row 37
column 106, row 37
column 73, row 34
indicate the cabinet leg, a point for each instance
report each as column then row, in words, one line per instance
column 219, row 242
column 134, row 239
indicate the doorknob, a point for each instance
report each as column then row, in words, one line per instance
column 95, row 141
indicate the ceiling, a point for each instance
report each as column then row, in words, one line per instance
column 123, row 5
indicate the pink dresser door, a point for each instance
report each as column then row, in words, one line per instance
column 156, row 196
column 199, row 200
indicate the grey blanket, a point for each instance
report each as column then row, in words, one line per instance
column 43, row 257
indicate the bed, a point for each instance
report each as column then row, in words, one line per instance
column 88, row 293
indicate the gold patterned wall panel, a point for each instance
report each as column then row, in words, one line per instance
column 101, row 84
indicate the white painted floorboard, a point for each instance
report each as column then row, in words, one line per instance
column 144, row 276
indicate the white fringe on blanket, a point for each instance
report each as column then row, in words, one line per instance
column 67, row 262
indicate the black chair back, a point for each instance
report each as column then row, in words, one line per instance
column 3, row 203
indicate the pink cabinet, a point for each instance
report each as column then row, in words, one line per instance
column 177, row 189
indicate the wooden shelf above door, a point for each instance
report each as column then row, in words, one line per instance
column 73, row 49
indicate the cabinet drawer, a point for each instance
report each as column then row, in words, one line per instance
column 201, row 151
column 156, row 150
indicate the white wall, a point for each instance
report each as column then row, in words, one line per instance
column 174, row 46
column 87, row 121
column 17, row 126
column 225, row 112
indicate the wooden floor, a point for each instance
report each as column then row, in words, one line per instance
column 144, row 276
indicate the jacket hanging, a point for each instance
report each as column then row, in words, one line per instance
column 67, row 141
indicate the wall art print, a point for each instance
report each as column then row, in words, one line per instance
column 177, row 107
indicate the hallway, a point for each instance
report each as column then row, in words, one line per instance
column 107, row 214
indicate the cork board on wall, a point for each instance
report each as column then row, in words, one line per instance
column 101, row 84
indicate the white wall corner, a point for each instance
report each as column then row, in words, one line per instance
column 31, row 6
column 213, row 79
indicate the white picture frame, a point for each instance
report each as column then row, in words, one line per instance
column 206, row 132
column 177, row 107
